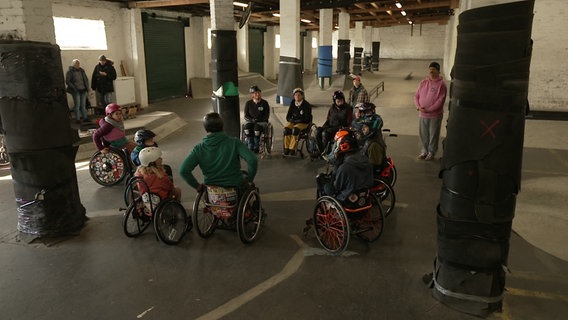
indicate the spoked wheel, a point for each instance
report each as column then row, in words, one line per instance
column 267, row 140
column 136, row 219
column 331, row 225
column 391, row 178
column 107, row 169
column 249, row 216
column 170, row 222
column 204, row 220
column 385, row 194
column 370, row 227
column 131, row 192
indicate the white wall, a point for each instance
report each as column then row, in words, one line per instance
column 410, row 42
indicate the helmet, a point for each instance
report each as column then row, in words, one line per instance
column 366, row 106
column 212, row 122
column 254, row 89
column 300, row 90
column 142, row 135
column 338, row 95
column 111, row 107
column 340, row 134
column 347, row 142
column 149, row 155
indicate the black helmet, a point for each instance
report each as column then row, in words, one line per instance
column 366, row 106
column 212, row 122
column 254, row 89
column 346, row 141
column 338, row 95
column 142, row 135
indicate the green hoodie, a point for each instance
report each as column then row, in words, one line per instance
column 218, row 156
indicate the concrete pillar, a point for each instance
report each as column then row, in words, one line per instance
column 325, row 53
column 34, row 117
column 290, row 71
column 358, row 48
column 224, row 67
column 269, row 64
column 343, row 43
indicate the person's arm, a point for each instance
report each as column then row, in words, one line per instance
column 307, row 116
column 349, row 116
column 69, row 80
column 186, row 169
column 289, row 114
column 265, row 115
column 363, row 96
column 250, row 159
column 111, row 73
column 247, row 115
column 439, row 102
column 104, row 129
column 376, row 154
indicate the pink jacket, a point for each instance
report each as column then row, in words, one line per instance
column 431, row 94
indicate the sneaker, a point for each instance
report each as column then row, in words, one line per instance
column 429, row 157
column 422, row 156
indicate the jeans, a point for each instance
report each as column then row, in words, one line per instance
column 104, row 98
column 80, row 102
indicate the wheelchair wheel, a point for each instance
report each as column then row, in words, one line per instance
column 170, row 222
column 331, row 225
column 385, row 192
column 204, row 220
column 136, row 220
column 371, row 226
column 249, row 216
column 108, row 169
column 391, row 179
column 267, row 139
column 131, row 191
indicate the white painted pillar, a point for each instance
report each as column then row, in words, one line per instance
column 325, row 27
column 325, row 49
column 344, row 21
column 290, row 73
column 30, row 20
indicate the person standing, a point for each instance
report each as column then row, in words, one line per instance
column 102, row 80
column 358, row 94
column 77, row 85
column 257, row 112
column 298, row 118
column 429, row 100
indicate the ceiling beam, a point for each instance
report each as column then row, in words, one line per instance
column 163, row 3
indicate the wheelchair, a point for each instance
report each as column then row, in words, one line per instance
column 108, row 169
column 334, row 222
column 169, row 217
column 229, row 208
column 306, row 140
column 384, row 192
column 265, row 144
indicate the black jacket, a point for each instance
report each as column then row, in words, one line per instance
column 103, row 84
column 301, row 114
column 257, row 112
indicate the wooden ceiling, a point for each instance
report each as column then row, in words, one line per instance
column 371, row 13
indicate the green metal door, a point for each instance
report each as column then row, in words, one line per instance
column 256, row 50
column 164, row 48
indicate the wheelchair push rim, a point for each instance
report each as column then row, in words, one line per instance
column 370, row 227
column 136, row 220
column 204, row 220
column 331, row 225
column 385, row 194
column 249, row 216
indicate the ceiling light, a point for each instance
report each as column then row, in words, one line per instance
column 389, row 12
column 306, row 20
column 398, row 5
column 276, row 14
column 403, row 13
column 409, row 21
column 240, row 4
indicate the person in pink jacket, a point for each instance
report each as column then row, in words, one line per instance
column 429, row 101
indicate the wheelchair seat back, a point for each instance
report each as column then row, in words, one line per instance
column 223, row 201
column 151, row 201
column 358, row 203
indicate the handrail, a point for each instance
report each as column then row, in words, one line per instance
column 375, row 91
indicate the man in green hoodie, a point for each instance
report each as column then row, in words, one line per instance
column 218, row 156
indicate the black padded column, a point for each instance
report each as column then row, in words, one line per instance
column 343, row 56
column 481, row 165
column 357, row 60
column 224, row 74
column 34, row 117
column 375, row 56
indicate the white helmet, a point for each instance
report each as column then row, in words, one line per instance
column 149, row 155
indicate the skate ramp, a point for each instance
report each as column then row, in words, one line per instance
column 200, row 88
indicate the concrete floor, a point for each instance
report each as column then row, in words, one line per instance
column 102, row 274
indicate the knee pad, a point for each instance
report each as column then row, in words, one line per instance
column 287, row 131
column 295, row 131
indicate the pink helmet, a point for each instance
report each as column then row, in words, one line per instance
column 111, row 107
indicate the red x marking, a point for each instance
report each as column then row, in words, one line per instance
column 489, row 129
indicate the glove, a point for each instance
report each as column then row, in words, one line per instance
column 201, row 188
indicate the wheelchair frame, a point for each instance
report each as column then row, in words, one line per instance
column 247, row 219
column 307, row 138
column 334, row 226
column 266, row 143
column 170, row 219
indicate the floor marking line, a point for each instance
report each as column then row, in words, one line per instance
column 289, row 269
column 536, row 294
